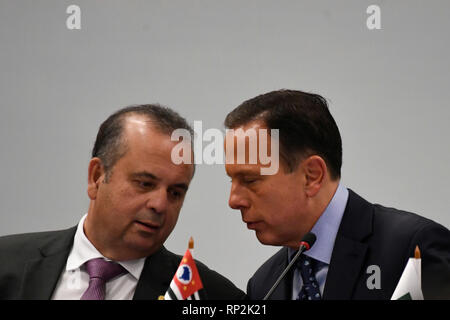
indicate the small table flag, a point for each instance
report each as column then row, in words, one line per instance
column 409, row 286
column 186, row 283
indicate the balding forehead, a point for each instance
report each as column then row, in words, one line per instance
column 136, row 125
column 137, row 121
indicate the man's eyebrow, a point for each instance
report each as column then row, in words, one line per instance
column 148, row 175
column 183, row 186
column 145, row 174
column 247, row 172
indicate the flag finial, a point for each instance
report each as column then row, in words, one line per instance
column 191, row 243
column 417, row 253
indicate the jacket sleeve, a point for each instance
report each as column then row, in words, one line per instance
column 434, row 244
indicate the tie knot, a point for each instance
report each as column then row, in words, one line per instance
column 105, row 270
column 303, row 260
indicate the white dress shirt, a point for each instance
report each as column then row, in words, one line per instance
column 74, row 279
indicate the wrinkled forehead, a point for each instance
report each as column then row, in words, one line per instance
column 252, row 147
column 251, row 141
column 240, row 170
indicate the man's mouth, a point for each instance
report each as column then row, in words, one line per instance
column 148, row 225
column 252, row 224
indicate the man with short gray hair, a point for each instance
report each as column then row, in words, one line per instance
column 116, row 252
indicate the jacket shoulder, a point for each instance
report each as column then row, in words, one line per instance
column 406, row 229
column 265, row 276
column 394, row 237
column 17, row 250
column 382, row 223
column 27, row 243
column 400, row 220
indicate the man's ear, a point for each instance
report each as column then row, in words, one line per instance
column 315, row 170
column 96, row 174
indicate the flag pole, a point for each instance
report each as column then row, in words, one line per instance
column 191, row 246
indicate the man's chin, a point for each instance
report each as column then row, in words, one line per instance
column 266, row 239
column 140, row 249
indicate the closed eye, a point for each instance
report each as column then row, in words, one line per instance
column 249, row 180
column 145, row 184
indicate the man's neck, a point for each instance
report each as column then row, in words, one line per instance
column 318, row 207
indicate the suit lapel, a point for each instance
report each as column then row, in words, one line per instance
column 285, row 287
column 350, row 248
column 41, row 275
column 156, row 276
column 345, row 268
column 282, row 292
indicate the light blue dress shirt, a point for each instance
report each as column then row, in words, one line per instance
column 325, row 229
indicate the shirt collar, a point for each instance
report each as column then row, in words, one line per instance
column 83, row 250
column 327, row 226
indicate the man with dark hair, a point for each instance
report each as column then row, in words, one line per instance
column 357, row 242
column 116, row 251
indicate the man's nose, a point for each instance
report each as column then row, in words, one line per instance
column 158, row 200
column 237, row 198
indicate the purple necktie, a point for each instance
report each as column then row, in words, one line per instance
column 100, row 271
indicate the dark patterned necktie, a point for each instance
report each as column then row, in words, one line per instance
column 100, row 271
column 310, row 289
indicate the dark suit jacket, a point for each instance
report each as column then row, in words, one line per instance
column 31, row 264
column 370, row 235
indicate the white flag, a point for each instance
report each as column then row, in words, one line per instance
column 410, row 286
